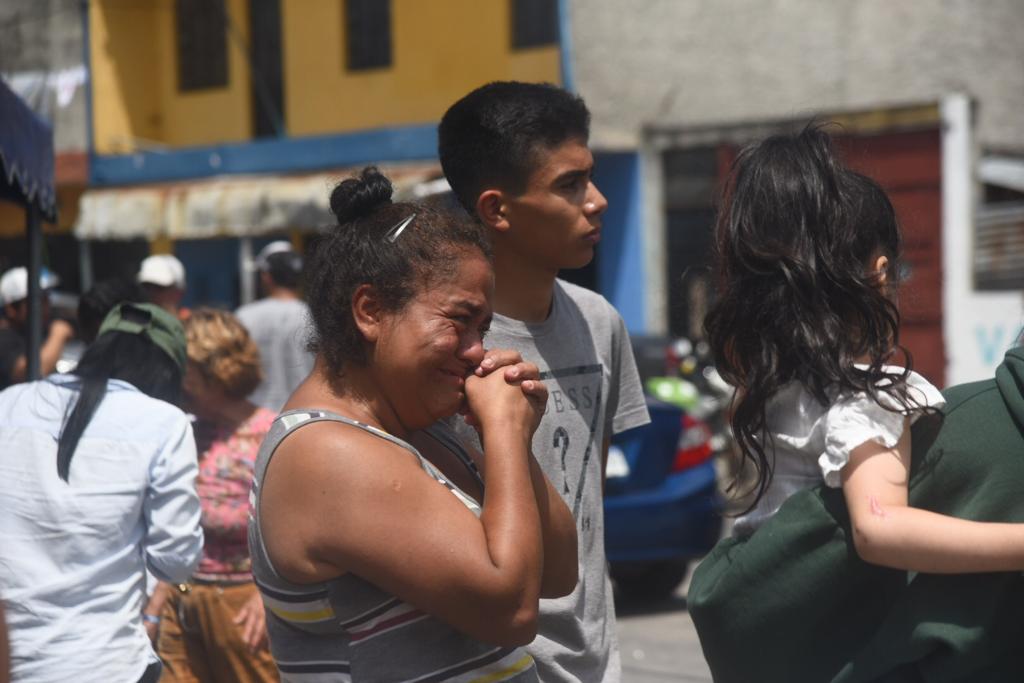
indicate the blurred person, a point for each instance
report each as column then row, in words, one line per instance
column 377, row 553
column 213, row 627
column 93, row 307
column 162, row 277
column 97, row 485
column 278, row 324
column 806, row 327
column 516, row 156
column 95, row 304
column 14, row 333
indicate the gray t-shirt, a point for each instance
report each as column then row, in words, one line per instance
column 585, row 359
column 279, row 327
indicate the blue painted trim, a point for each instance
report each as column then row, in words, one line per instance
column 620, row 260
column 565, row 45
column 269, row 155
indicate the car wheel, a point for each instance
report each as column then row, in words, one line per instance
column 649, row 581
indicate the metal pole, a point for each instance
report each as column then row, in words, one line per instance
column 246, row 268
column 85, row 273
column 33, row 227
column 565, row 46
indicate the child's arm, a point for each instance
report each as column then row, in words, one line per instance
column 888, row 532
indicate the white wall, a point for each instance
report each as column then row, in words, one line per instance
column 691, row 62
column 978, row 326
column 42, row 59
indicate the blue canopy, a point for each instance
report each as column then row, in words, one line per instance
column 26, row 177
column 26, row 156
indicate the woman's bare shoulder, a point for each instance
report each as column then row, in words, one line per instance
column 330, row 446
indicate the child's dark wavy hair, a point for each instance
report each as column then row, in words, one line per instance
column 365, row 249
column 797, row 238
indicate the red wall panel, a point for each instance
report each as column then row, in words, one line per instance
column 909, row 166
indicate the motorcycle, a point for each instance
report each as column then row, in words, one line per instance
column 692, row 383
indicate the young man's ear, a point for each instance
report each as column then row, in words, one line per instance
column 366, row 312
column 491, row 208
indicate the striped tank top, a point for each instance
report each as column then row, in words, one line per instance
column 348, row 630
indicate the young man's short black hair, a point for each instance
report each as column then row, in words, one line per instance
column 491, row 136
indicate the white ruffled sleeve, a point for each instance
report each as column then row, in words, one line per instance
column 855, row 419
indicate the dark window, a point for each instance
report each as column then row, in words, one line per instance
column 60, row 255
column 116, row 258
column 265, row 63
column 368, row 34
column 690, row 181
column 212, row 267
column 202, row 44
column 534, row 23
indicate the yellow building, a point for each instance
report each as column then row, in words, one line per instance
column 229, row 120
column 171, row 74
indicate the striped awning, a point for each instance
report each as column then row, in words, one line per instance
column 230, row 206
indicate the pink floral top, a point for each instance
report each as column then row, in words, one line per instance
column 226, row 463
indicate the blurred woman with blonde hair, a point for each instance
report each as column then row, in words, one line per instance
column 213, row 628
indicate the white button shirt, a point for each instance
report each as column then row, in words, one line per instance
column 73, row 556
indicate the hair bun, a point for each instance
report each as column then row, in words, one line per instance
column 357, row 197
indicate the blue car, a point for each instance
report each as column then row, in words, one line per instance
column 662, row 504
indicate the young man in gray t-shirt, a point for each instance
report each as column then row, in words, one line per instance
column 516, row 157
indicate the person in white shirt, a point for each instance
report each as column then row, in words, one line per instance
column 97, row 485
column 279, row 324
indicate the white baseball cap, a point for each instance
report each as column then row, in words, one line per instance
column 275, row 247
column 162, row 270
column 14, row 284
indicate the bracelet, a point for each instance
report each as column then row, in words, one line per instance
column 150, row 618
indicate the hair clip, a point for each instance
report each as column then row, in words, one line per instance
column 397, row 229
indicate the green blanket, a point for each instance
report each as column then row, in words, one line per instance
column 794, row 602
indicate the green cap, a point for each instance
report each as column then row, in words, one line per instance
column 156, row 324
